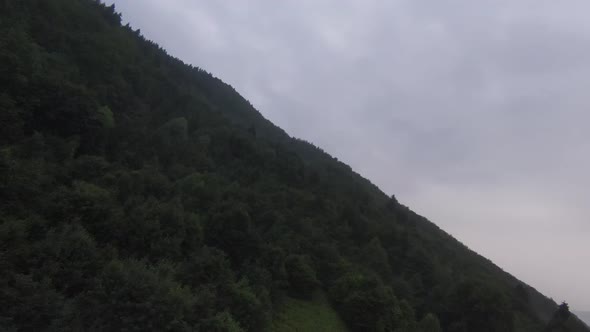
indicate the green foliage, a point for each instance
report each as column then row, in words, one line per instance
column 131, row 295
column 479, row 306
column 302, row 278
column 559, row 319
column 366, row 304
column 11, row 123
column 247, row 307
column 138, row 193
column 376, row 258
column 174, row 131
column 105, row 116
column 222, row 322
column 429, row 323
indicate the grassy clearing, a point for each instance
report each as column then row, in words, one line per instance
column 308, row 316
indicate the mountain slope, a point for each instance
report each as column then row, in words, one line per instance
column 584, row 316
column 140, row 193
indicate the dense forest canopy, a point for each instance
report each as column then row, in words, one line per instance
column 139, row 193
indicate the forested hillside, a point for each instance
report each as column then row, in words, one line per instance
column 138, row 193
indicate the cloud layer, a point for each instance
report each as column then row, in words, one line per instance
column 475, row 114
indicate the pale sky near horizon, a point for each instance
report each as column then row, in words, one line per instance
column 475, row 114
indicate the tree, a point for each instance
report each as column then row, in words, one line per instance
column 302, row 277
column 375, row 257
column 561, row 315
column 131, row 294
column 482, row 307
column 429, row 323
column 222, row 322
column 368, row 305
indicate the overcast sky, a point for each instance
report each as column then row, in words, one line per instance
column 473, row 113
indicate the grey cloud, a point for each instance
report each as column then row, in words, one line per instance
column 474, row 113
